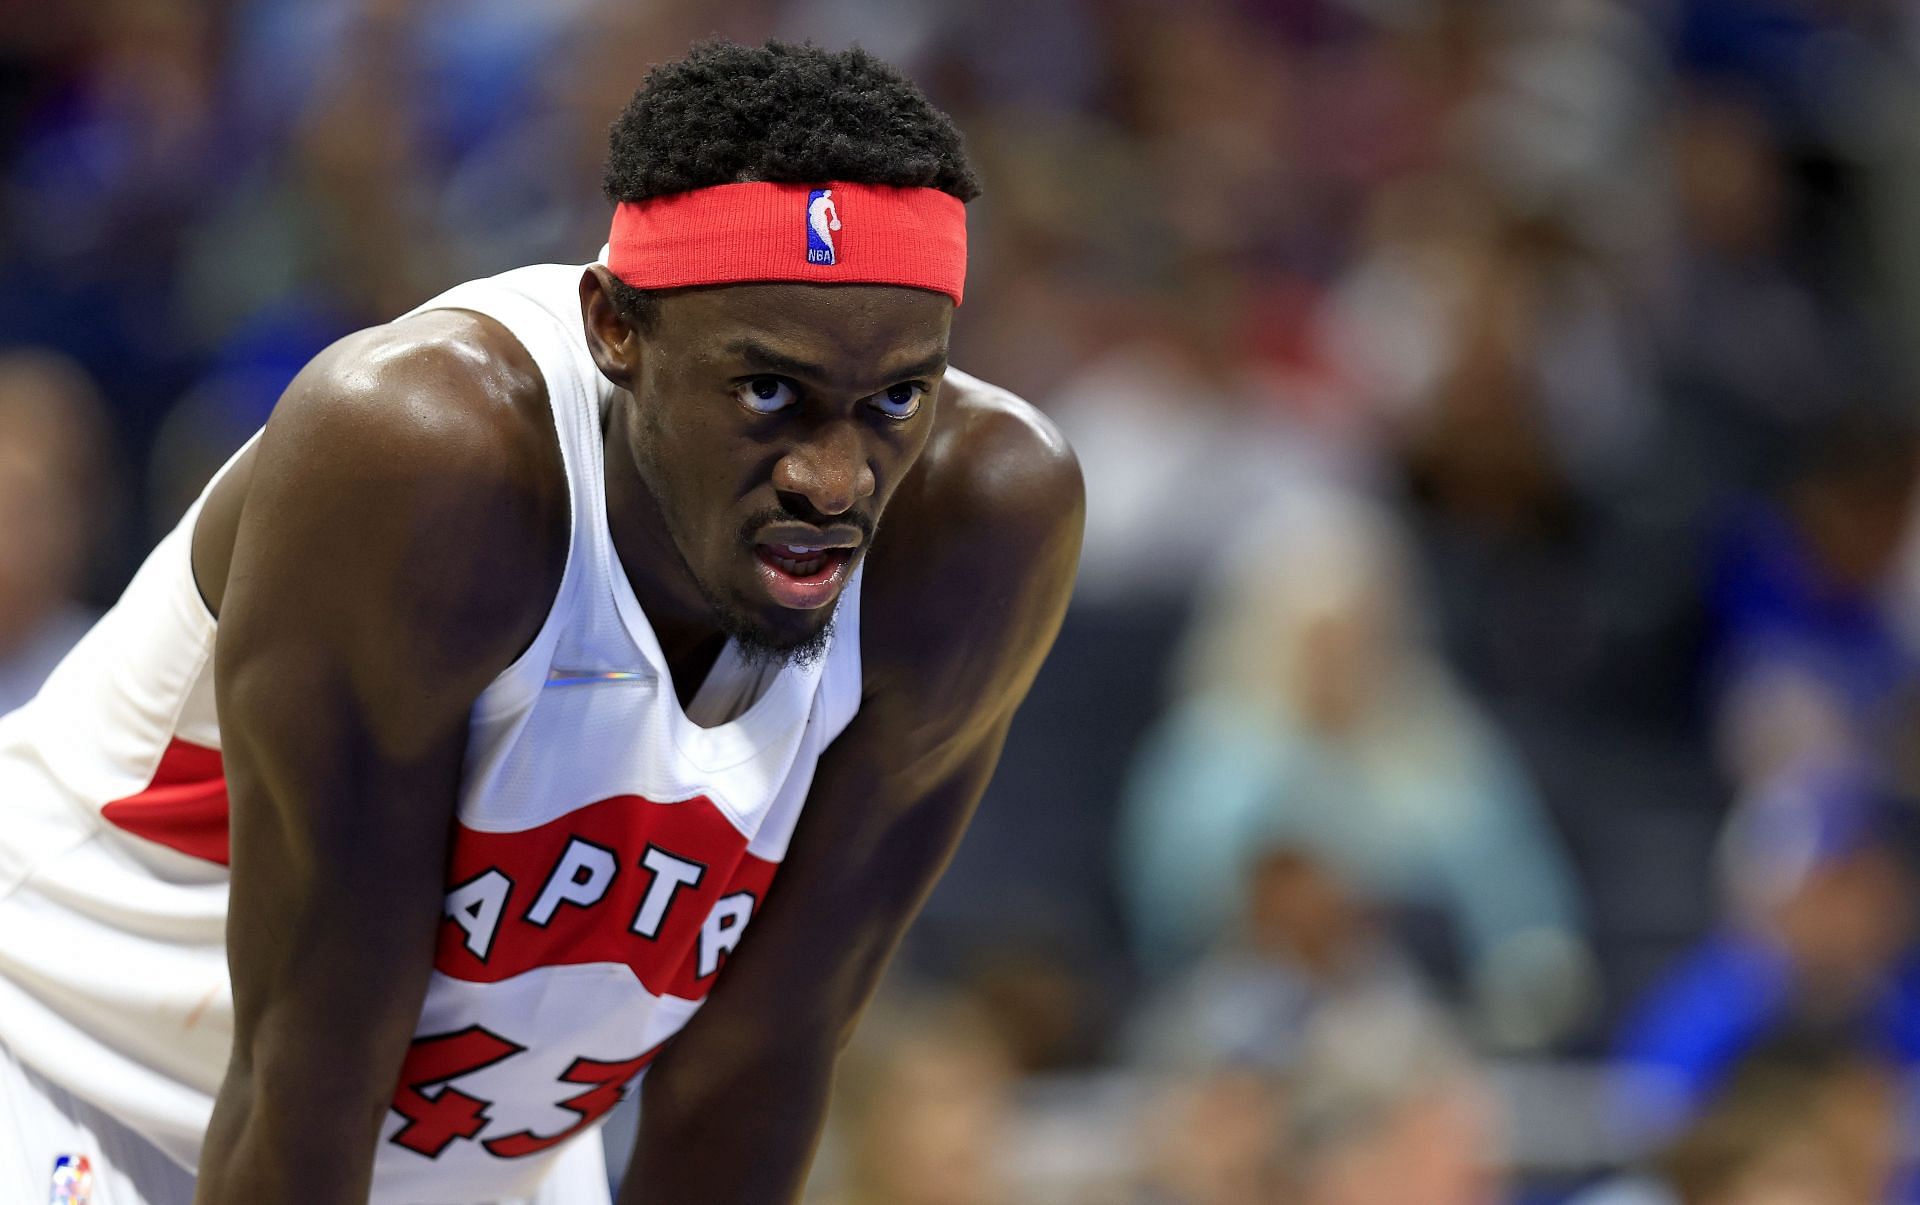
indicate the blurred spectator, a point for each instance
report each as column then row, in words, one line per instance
column 1511, row 369
column 55, row 491
column 1819, row 933
column 1306, row 945
column 1803, row 1120
column 1211, row 1139
column 1759, row 342
column 1388, row 1107
column 1810, row 662
column 1500, row 350
column 1040, row 996
column 922, row 1105
column 1183, row 440
column 113, row 165
column 1315, row 716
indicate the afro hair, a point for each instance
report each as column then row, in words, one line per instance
column 781, row 114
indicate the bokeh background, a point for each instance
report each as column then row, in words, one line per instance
column 1476, row 766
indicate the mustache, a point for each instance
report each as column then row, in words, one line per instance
column 812, row 518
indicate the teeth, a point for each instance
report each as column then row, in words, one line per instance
column 805, row 563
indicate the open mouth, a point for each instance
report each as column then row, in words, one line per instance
column 802, row 577
column 796, row 561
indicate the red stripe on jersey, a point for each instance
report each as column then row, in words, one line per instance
column 184, row 807
column 641, row 880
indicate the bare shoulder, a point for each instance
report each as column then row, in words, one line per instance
column 441, row 413
column 998, row 456
column 975, row 561
column 447, row 383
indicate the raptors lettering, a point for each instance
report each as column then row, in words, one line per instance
column 665, row 889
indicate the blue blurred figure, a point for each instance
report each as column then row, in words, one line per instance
column 1818, row 935
column 1807, row 659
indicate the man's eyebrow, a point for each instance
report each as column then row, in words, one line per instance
column 760, row 358
column 930, row 365
column 764, row 359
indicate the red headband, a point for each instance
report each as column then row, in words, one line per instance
column 833, row 234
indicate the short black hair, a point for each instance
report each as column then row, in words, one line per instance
column 783, row 114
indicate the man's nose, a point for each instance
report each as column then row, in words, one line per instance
column 830, row 470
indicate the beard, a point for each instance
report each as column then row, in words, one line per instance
column 757, row 644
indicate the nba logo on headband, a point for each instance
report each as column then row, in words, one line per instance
column 823, row 218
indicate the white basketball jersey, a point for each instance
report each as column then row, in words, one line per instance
column 611, row 846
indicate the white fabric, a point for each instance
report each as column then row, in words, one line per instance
column 40, row 1122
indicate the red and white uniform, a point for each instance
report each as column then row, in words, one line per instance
column 611, row 846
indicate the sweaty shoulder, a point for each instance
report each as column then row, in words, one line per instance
column 976, row 556
column 427, row 449
column 995, row 453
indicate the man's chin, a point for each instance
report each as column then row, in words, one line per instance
column 802, row 639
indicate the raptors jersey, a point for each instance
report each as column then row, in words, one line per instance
column 611, row 847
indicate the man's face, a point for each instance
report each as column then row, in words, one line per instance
column 772, row 424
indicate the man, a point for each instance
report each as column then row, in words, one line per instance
column 467, row 719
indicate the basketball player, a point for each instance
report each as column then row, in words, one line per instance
column 415, row 801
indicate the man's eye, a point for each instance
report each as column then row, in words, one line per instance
column 900, row 401
column 765, row 394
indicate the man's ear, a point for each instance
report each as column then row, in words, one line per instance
column 611, row 340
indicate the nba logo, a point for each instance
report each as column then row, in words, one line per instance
column 72, row 1181
column 822, row 220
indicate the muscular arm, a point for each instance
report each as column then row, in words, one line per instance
column 956, row 621
column 389, row 558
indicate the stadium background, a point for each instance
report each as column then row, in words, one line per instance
column 1473, row 767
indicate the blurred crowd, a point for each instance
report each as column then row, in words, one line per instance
column 1480, row 764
